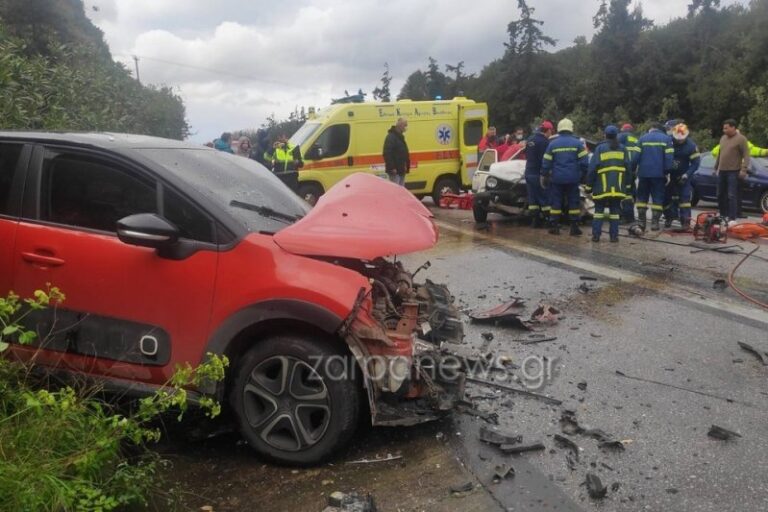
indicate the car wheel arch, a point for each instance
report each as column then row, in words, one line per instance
column 235, row 335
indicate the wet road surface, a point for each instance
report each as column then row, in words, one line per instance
column 650, row 312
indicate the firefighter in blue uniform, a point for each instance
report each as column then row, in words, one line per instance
column 686, row 161
column 564, row 164
column 628, row 139
column 652, row 166
column 538, row 196
column 609, row 180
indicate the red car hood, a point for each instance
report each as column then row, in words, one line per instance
column 362, row 217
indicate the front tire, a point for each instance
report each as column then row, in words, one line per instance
column 446, row 184
column 290, row 402
column 310, row 192
column 764, row 202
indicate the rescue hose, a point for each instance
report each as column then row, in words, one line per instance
column 736, row 288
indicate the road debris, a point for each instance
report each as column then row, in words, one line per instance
column 469, row 410
column 582, row 386
column 388, row 458
column 529, row 394
column 498, row 438
column 595, row 487
column 503, row 471
column 465, row 487
column 516, row 449
column 569, row 425
column 723, row 434
column 681, row 388
column 564, row 442
column 760, row 354
column 546, row 314
column 350, row 502
column 587, row 278
column 584, row 288
column 508, row 312
column 535, row 340
column 487, row 336
column 611, row 446
column 720, row 285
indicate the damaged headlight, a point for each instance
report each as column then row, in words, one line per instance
column 491, row 182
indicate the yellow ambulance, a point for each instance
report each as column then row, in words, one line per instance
column 345, row 138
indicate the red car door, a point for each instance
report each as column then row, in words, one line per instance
column 128, row 313
column 13, row 159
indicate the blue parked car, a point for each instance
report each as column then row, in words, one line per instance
column 754, row 193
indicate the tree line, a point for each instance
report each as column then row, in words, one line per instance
column 706, row 67
column 56, row 73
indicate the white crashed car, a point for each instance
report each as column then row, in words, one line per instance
column 499, row 187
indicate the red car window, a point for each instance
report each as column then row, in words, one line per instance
column 79, row 190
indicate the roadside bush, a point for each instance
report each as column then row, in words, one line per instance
column 64, row 449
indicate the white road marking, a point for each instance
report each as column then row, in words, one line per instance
column 676, row 291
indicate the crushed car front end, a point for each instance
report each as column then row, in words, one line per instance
column 396, row 327
column 396, row 332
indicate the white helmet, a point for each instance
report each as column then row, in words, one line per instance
column 565, row 125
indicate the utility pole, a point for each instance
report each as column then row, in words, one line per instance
column 136, row 62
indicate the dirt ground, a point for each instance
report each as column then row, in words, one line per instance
column 224, row 473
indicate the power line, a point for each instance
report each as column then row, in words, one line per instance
column 215, row 71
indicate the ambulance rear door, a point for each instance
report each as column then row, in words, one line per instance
column 473, row 121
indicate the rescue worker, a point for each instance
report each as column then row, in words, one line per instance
column 628, row 139
column 652, row 165
column 608, row 180
column 284, row 156
column 564, row 164
column 538, row 196
column 686, row 159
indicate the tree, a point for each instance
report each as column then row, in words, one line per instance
column 615, row 54
column 457, row 83
column 415, row 87
column 525, row 34
column 436, row 80
column 702, row 7
column 382, row 93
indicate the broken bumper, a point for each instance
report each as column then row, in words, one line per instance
column 407, row 380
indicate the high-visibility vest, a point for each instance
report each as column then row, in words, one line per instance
column 754, row 151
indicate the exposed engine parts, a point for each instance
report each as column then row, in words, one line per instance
column 394, row 290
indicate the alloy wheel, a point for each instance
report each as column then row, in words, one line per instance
column 287, row 402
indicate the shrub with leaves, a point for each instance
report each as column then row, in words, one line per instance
column 64, row 449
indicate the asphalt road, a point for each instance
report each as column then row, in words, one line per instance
column 649, row 310
column 652, row 313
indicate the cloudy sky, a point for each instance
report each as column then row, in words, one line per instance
column 236, row 62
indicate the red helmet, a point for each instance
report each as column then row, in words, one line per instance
column 546, row 125
column 626, row 127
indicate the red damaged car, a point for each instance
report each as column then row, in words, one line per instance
column 167, row 251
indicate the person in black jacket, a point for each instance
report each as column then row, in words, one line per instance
column 397, row 160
